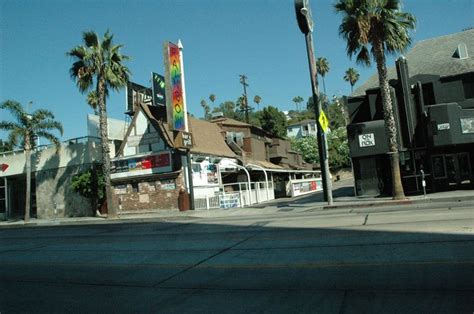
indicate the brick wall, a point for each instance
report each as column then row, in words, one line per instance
column 148, row 194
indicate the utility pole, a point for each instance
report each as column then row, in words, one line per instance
column 246, row 104
column 305, row 23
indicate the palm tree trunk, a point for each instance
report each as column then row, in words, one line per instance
column 390, row 126
column 28, row 178
column 352, row 88
column 111, row 212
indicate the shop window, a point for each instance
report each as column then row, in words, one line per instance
column 439, row 169
column 428, row 94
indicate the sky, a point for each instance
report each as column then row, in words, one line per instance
column 222, row 39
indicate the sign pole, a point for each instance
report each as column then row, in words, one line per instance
column 305, row 22
column 186, row 129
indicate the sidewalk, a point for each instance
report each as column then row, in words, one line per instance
column 312, row 202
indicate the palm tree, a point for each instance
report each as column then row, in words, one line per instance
column 381, row 25
column 352, row 76
column 24, row 132
column 212, row 98
column 206, row 109
column 100, row 62
column 297, row 100
column 322, row 67
column 257, row 99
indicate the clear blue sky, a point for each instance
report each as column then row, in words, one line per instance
column 222, row 39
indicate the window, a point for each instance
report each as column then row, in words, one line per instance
column 135, row 187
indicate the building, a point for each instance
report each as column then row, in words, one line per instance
column 432, row 89
column 302, row 128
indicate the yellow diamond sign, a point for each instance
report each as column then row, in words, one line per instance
column 323, row 121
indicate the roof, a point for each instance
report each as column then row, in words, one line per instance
column 305, row 121
column 262, row 163
column 229, row 121
column 207, row 137
column 434, row 56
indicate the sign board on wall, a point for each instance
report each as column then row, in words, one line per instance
column 135, row 94
column 366, row 140
column 156, row 163
column 174, row 77
column 158, row 86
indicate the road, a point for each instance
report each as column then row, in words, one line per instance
column 411, row 261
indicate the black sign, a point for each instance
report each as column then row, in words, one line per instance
column 137, row 94
column 158, row 85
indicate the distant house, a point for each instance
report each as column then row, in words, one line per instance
column 432, row 89
column 302, row 129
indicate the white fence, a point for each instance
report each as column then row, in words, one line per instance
column 237, row 195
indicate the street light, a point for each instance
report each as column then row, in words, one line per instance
column 305, row 23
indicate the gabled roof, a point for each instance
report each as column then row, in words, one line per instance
column 231, row 122
column 434, row 56
column 305, row 121
column 207, row 137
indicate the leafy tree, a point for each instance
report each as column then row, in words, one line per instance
column 227, row 108
column 308, row 147
column 297, row 100
column 26, row 128
column 338, row 148
column 381, row 26
column 100, row 62
column 351, row 76
column 91, row 185
column 257, row 99
column 273, row 121
column 322, row 67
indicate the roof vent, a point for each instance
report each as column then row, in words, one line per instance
column 461, row 52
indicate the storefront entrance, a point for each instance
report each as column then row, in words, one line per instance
column 451, row 171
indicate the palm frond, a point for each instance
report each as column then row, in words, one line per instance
column 90, row 39
column 16, row 110
column 50, row 137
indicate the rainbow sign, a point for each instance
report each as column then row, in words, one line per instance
column 176, row 103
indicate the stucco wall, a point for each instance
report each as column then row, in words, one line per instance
column 55, row 197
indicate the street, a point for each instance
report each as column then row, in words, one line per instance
column 411, row 261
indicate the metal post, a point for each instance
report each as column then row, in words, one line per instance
column 321, row 136
column 423, row 182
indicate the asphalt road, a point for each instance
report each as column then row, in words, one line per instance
column 419, row 261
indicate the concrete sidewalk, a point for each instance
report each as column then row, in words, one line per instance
column 313, row 202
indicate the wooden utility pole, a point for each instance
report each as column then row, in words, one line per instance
column 246, row 104
column 305, row 23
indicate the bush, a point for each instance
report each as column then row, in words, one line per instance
column 91, row 185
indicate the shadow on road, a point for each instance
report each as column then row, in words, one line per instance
column 330, row 266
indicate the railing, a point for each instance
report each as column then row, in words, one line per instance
column 237, row 195
column 72, row 141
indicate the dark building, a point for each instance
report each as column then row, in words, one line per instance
column 432, row 91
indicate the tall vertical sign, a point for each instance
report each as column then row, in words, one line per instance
column 175, row 94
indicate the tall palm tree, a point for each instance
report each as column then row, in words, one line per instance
column 297, row 100
column 257, row 99
column 24, row 131
column 99, row 64
column 212, row 98
column 322, row 67
column 352, row 76
column 382, row 26
column 206, row 109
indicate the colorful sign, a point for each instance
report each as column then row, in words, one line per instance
column 156, row 163
column 4, row 167
column 176, row 106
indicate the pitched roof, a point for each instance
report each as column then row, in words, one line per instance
column 305, row 121
column 434, row 56
column 229, row 121
column 208, row 139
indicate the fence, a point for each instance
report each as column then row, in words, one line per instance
column 237, row 195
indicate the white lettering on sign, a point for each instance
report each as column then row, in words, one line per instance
column 367, row 140
column 444, row 126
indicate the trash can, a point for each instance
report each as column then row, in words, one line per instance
column 183, row 200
